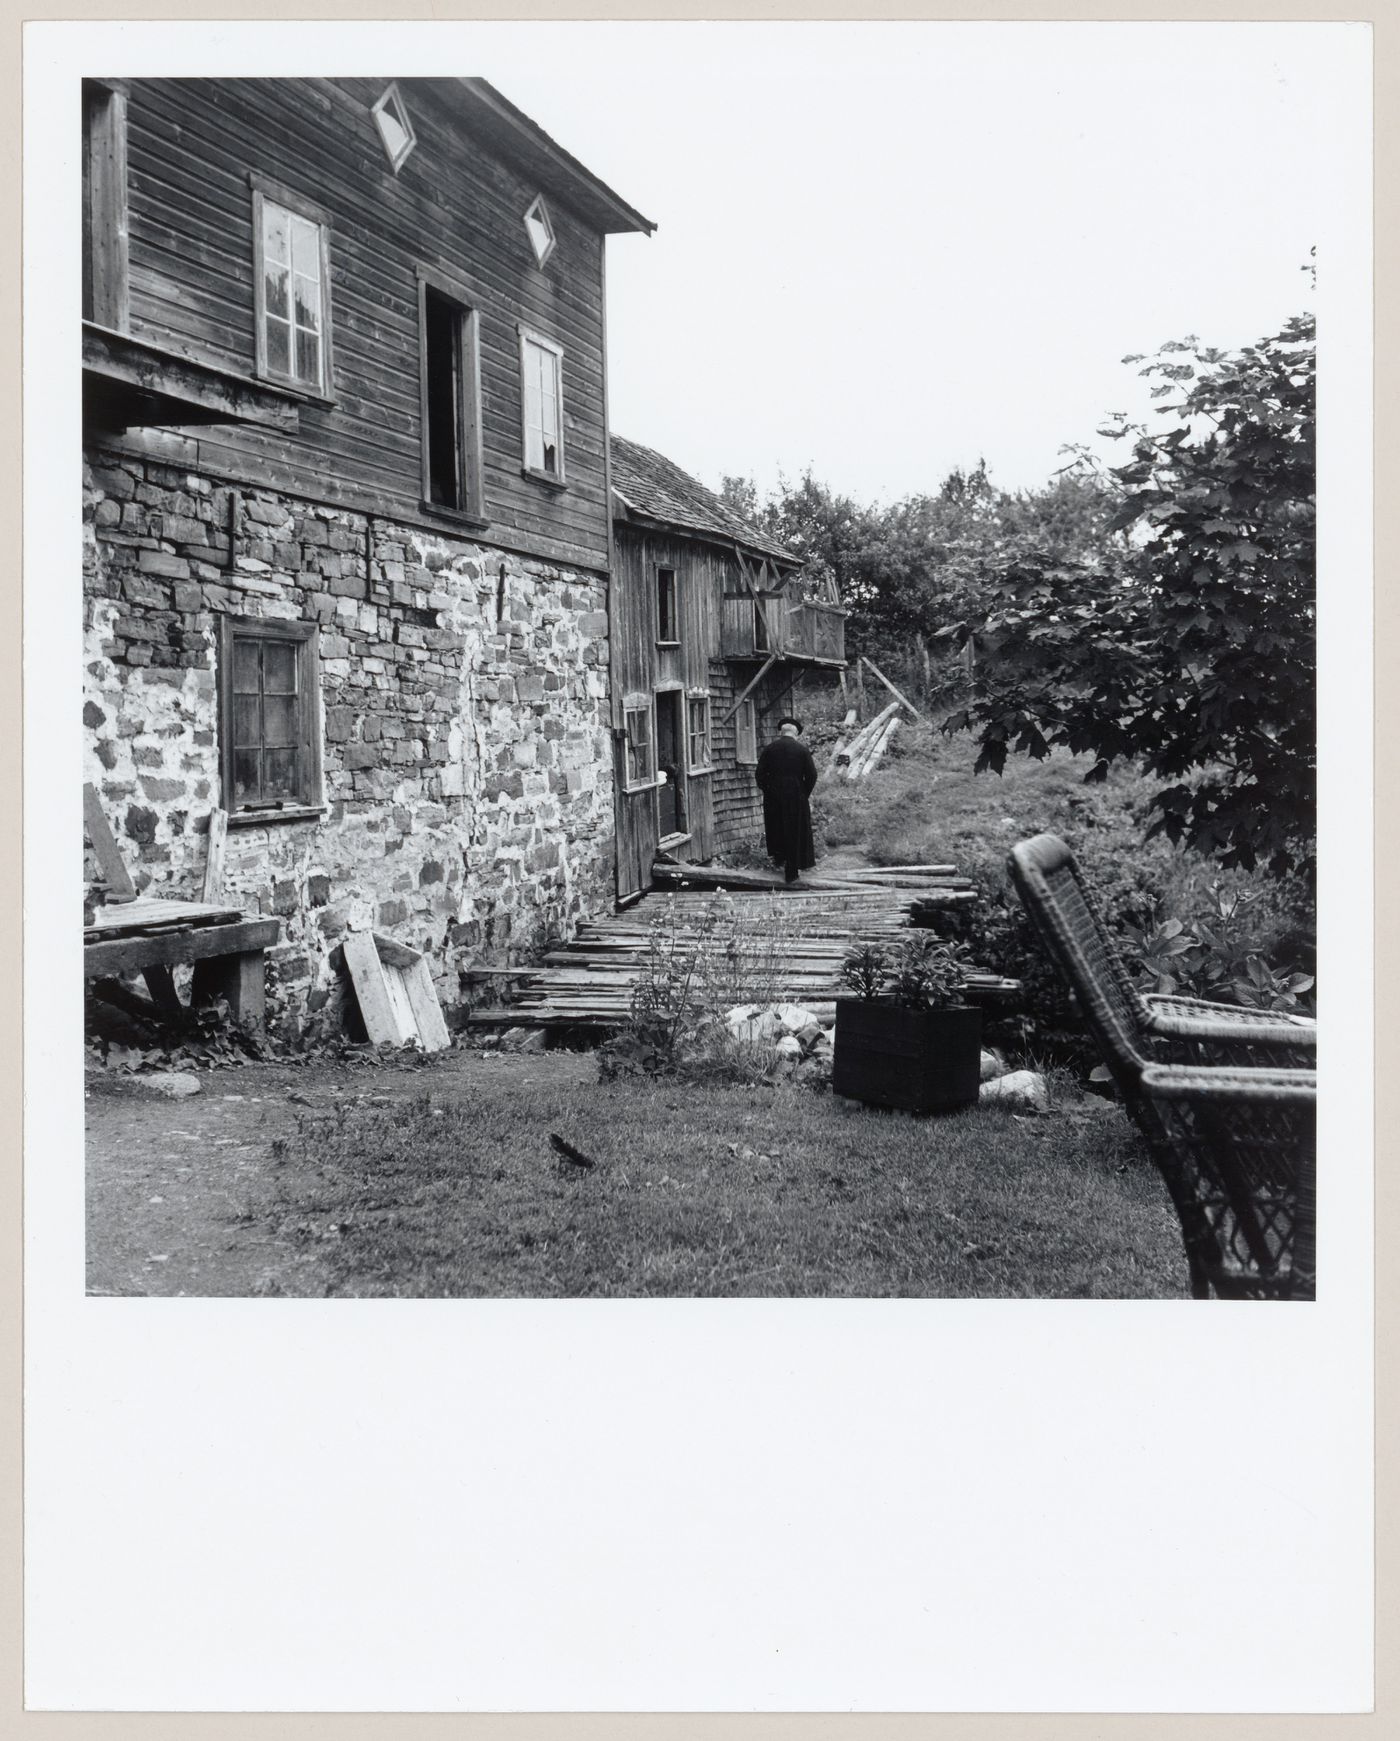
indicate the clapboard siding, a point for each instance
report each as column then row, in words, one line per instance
column 455, row 207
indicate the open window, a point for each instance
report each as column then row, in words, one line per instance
column 291, row 284
column 542, row 407
column 640, row 745
column 105, row 281
column 394, row 127
column 539, row 227
column 667, row 619
column 450, row 393
column 270, row 748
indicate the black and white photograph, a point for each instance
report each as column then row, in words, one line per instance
column 521, row 865
column 698, row 655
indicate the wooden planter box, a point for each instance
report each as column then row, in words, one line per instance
column 913, row 1060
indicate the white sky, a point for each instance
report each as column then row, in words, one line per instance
column 884, row 250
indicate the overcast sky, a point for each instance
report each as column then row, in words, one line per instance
column 885, row 250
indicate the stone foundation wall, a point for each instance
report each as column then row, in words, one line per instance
column 465, row 731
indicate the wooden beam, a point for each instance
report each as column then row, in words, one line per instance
column 120, row 887
column 890, row 686
column 184, row 390
column 749, row 688
column 117, row 955
column 214, row 858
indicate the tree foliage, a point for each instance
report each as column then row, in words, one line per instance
column 1190, row 648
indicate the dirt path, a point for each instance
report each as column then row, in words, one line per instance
column 175, row 1187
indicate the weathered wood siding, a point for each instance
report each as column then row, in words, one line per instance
column 722, row 807
column 454, row 206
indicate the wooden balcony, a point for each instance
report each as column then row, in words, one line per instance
column 797, row 630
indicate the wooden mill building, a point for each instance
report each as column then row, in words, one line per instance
column 711, row 631
column 347, row 510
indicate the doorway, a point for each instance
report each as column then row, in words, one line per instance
column 670, row 764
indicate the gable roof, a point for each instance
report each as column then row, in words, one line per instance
column 525, row 142
column 655, row 488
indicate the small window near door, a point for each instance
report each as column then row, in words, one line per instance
column 746, row 734
column 697, row 716
column 666, row 619
column 641, row 751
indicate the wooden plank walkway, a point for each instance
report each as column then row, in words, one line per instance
column 782, row 946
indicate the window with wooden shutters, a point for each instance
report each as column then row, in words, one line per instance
column 291, row 284
column 746, row 734
column 105, row 276
column 542, row 408
column 270, row 749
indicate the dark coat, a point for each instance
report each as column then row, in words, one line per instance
column 786, row 774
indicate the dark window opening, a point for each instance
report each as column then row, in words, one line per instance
column 666, row 605
column 442, row 339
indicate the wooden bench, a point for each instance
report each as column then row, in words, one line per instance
column 225, row 947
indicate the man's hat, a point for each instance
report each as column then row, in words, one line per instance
column 790, row 719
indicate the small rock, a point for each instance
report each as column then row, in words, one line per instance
column 173, row 1084
column 789, row 1046
column 810, row 1035
column 993, row 1064
column 1020, row 1091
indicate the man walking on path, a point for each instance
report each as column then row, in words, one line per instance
column 786, row 775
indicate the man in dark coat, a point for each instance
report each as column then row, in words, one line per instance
column 786, row 775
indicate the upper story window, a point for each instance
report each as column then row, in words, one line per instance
column 104, row 207
column 666, row 618
column 541, row 371
column 394, row 127
column 292, row 290
column 539, row 227
column 450, row 383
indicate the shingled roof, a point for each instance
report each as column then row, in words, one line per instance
column 652, row 486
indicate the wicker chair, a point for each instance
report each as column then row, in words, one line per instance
column 1175, row 1030
column 1234, row 1141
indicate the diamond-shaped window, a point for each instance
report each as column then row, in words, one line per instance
column 395, row 129
column 539, row 229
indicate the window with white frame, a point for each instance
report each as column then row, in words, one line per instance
column 542, row 404
column 746, row 734
column 641, row 746
column 269, row 681
column 539, row 227
column 697, row 737
column 395, row 129
column 292, row 291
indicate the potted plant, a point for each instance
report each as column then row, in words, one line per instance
column 906, row 1038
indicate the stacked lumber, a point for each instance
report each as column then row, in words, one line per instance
column 792, row 946
column 855, row 756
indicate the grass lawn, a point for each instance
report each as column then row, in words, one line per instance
column 924, row 804
column 715, row 1191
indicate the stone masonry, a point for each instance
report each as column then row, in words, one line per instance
column 468, row 805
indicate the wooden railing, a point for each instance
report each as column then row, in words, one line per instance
column 787, row 627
